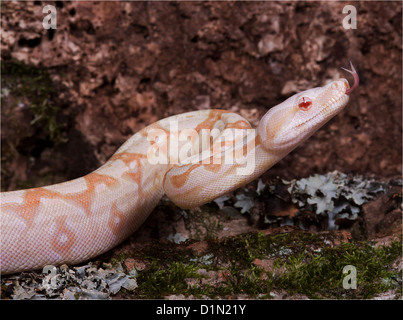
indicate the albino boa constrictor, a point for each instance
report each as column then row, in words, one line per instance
column 79, row 219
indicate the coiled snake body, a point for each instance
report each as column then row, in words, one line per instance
column 76, row 220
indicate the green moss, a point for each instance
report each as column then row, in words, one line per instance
column 319, row 274
column 303, row 263
column 316, row 273
column 34, row 85
column 246, row 248
column 159, row 281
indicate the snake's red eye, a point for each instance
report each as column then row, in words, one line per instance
column 304, row 103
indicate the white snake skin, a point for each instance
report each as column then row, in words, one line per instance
column 77, row 220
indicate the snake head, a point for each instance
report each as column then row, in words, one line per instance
column 290, row 123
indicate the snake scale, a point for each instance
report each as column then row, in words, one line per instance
column 183, row 156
